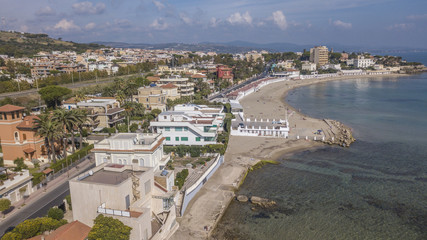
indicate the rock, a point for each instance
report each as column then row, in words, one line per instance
column 242, row 198
column 263, row 202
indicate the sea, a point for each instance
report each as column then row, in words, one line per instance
column 375, row 189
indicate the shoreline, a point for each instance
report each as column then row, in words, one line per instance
column 211, row 202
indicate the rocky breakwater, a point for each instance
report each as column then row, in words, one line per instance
column 339, row 134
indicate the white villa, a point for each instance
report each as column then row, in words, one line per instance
column 144, row 150
column 190, row 124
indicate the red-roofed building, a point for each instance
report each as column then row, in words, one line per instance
column 224, row 72
column 17, row 136
column 70, row 231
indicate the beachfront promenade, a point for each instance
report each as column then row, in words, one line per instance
column 210, row 203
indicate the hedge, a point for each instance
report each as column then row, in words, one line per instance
column 71, row 158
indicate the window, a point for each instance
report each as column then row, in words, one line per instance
column 16, row 137
column 178, row 129
column 141, row 162
column 105, row 160
column 184, row 138
column 17, row 114
column 24, row 137
column 13, row 115
column 177, row 139
column 125, row 162
column 147, row 100
column 1, row 116
column 197, row 139
column 165, row 117
column 185, row 128
column 167, row 129
column 5, row 116
column 168, row 138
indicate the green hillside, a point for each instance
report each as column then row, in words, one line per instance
column 28, row 44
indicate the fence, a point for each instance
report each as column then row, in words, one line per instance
column 191, row 191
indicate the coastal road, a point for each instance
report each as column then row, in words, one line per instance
column 38, row 208
column 232, row 88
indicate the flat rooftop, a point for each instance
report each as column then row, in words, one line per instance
column 110, row 177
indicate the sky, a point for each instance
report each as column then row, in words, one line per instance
column 367, row 23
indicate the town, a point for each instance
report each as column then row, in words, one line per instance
column 149, row 131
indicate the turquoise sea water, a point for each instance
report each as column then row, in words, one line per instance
column 376, row 189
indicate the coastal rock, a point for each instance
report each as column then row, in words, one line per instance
column 242, row 198
column 263, row 202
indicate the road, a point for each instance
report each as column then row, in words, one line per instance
column 68, row 85
column 38, row 208
column 224, row 92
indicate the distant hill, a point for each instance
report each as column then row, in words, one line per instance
column 19, row 44
column 243, row 46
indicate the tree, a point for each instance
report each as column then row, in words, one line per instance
column 19, row 162
column 53, row 95
column 4, row 204
column 55, row 213
column 33, row 227
column 108, row 228
column 67, row 120
column 50, row 130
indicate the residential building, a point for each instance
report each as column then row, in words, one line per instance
column 137, row 149
column 151, row 98
column 225, row 73
column 190, row 124
column 102, row 111
column 128, row 193
column 16, row 186
column 171, row 91
column 254, row 56
column 362, row 62
column 319, row 55
column 18, row 136
column 332, row 66
column 185, row 86
column 309, row 67
column 71, row 231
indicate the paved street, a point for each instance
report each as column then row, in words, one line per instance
column 41, row 201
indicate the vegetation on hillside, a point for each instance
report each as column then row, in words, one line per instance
column 18, row 44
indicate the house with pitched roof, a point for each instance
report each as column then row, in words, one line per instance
column 18, row 136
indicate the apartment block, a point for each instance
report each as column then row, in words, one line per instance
column 151, row 98
column 319, row 55
column 190, row 124
column 362, row 62
column 102, row 111
column 185, row 86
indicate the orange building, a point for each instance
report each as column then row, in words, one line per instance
column 17, row 135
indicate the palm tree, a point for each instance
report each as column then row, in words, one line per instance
column 66, row 120
column 49, row 130
column 82, row 117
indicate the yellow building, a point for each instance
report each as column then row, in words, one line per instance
column 319, row 55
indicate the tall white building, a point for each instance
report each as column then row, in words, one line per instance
column 319, row 55
column 190, row 124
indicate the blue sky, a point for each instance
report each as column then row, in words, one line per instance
column 368, row 23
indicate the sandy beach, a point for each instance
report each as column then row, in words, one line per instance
column 211, row 202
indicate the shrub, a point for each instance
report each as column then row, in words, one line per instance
column 55, row 213
column 180, row 178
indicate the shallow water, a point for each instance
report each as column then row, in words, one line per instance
column 376, row 189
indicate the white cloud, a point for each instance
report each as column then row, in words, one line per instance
column 90, row 26
column 45, row 11
column 417, row 17
column 185, row 18
column 341, row 24
column 214, row 22
column 66, row 25
column 280, row 19
column 400, row 26
column 159, row 24
column 159, row 5
column 237, row 18
column 88, row 8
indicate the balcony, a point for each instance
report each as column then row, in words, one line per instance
column 115, row 120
